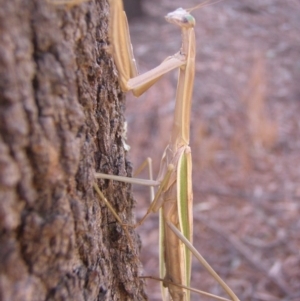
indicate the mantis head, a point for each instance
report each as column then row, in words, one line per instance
column 181, row 17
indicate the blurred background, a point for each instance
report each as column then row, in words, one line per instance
column 245, row 140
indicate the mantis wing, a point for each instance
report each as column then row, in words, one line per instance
column 175, row 257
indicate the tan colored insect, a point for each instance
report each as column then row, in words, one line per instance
column 174, row 196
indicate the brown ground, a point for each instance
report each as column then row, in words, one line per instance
column 245, row 140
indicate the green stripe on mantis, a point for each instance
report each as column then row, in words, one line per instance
column 184, row 202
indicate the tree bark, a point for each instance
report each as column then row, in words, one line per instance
column 61, row 119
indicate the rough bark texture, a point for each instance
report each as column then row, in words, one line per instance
column 61, row 118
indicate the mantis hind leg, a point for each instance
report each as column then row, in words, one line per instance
column 201, row 259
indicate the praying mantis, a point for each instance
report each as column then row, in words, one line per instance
column 174, row 196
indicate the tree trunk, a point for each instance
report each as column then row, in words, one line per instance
column 61, row 119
